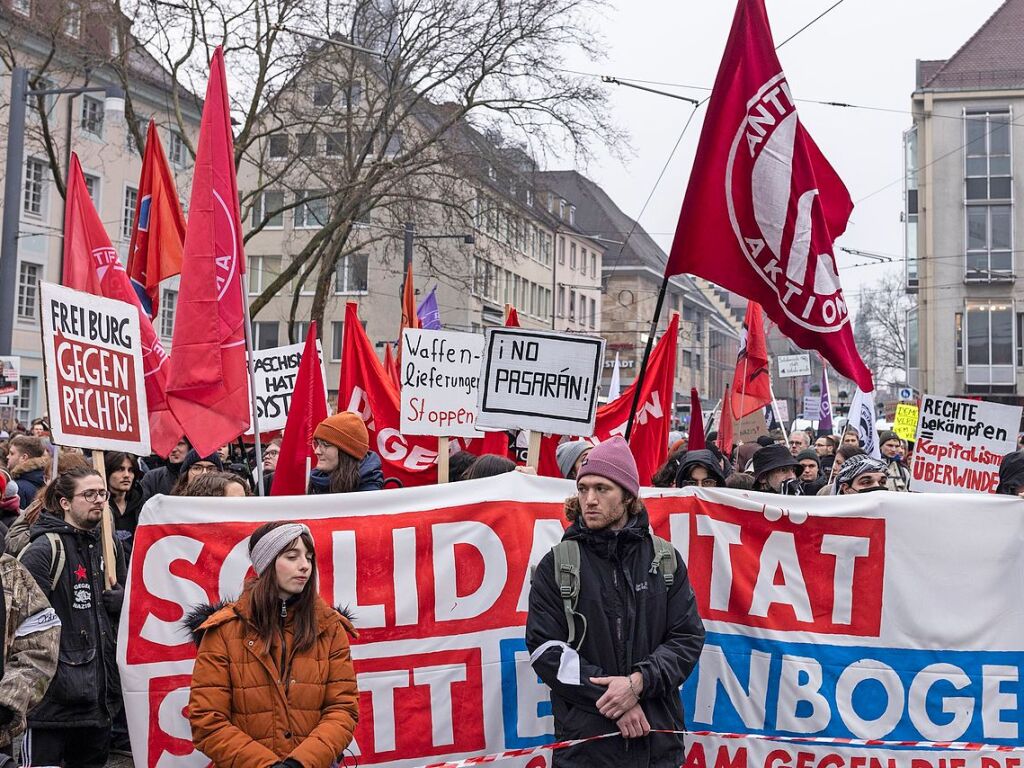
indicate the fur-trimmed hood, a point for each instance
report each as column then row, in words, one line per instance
column 41, row 463
column 208, row 615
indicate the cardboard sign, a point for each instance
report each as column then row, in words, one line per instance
column 10, row 368
column 751, row 427
column 95, row 388
column 541, row 381
column 440, row 378
column 960, row 444
column 276, row 369
column 905, row 422
column 794, row 365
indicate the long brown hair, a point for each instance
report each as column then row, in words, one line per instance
column 266, row 602
column 344, row 478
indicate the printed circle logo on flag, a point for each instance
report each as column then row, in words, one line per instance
column 776, row 214
column 227, row 262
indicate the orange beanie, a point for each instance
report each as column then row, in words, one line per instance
column 345, row 431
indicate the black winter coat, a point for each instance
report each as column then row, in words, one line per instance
column 126, row 520
column 86, row 688
column 634, row 623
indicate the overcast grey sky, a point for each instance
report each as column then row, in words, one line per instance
column 863, row 53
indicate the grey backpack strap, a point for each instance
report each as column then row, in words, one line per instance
column 57, row 558
column 567, row 577
column 664, row 560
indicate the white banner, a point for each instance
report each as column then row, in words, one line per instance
column 95, row 388
column 541, row 381
column 960, row 444
column 440, row 379
column 276, row 369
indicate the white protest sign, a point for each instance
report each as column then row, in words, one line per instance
column 541, row 381
column 276, row 369
column 10, row 368
column 783, row 412
column 440, row 378
column 960, row 444
column 95, row 388
column 794, row 365
column 812, row 407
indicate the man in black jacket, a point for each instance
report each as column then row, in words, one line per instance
column 28, row 462
column 71, row 726
column 636, row 637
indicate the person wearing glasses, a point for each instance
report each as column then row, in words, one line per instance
column 72, row 724
column 700, row 468
column 194, row 466
column 344, row 461
column 825, row 446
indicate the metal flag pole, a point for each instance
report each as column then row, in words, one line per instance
column 251, row 362
column 638, row 383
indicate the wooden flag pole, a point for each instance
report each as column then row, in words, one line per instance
column 251, row 361
column 107, row 524
column 442, row 460
column 533, row 451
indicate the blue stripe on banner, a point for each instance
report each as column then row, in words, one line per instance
column 744, row 684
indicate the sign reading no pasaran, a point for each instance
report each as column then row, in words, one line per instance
column 541, row 381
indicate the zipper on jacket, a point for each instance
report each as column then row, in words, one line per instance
column 284, row 648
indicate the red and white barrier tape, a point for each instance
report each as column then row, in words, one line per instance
column 964, row 746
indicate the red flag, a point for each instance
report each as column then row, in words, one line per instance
column 91, row 264
column 391, row 365
column 751, row 383
column 725, row 425
column 695, row 441
column 512, row 319
column 308, row 408
column 208, row 378
column 409, row 317
column 158, row 229
column 763, row 206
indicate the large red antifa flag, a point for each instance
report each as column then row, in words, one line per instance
column 763, row 206
column 91, row 264
column 308, row 408
column 208, row 378
column 751, row 382
column 158, row 229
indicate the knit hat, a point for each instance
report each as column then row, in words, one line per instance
column 346, row 432
column 192, row 457
column 568, row 453
column 613, row 459
column 809, row 455
column 886, row 436
column 773, row 457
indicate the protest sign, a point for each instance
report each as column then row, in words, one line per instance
column 751, row 427
column 782, row 411
column 540, row 381
column 812, row 407
column 960, row 444
column 9, row 372
column 794, row 365
column 905, row 422
column 276, row 369
column 440, row 379
column 823, row 620
column 95, row 388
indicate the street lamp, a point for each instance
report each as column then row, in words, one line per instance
column 114, row 103
column 410, row 235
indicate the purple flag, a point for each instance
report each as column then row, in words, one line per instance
column 428, row 312
column 825, row 407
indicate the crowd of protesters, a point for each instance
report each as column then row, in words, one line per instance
column 59, row 686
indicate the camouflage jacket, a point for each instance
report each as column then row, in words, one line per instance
column 31, row 638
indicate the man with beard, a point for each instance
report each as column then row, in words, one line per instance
column 861, row 474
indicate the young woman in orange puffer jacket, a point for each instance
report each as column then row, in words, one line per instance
column 273, row 683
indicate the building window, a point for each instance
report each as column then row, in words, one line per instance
column 394, row 145
column 168, row 304
column 989, row 242
column 561, row 210
column 958, row 320
column 92, row 186
column 323, row 94
column 176, row 149
column 561, row 250
column 561, row 301
column 142, row 125
column 25, row 400
column 307, row 145
column 912, row 359
column 34, row 202
column 312, row 212
column 73, row 19
column 593, row 264
column 337, row 337
column 350, row 275
column 277, row 146
column 1020, row 340
column 29, row 276
column 572, row 215
column 131, row 199
column 529, row 197
column 265, row 334
column 988, row 162
column 115, row 43
column 92, row 116
column 352, row 94
column 24, row 7
column 990, row 343
column 572, row 306
column 335, row 145
column 593, row 313
column 583, row 311
column 269, row 203
column 298, row 331
column 572, row 256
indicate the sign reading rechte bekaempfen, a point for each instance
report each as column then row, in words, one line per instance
column 541, row 381
column 440, row 378
column 96, row 392
column 276, row 369
column 960, row 444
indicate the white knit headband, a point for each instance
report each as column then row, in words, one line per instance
column 269, row 547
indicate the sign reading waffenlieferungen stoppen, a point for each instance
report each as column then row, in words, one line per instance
column 540, row 380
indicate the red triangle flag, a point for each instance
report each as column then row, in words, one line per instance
column 308, row 408
column 91, row 264
column 512, row 320
column 208, row 377
column 695, row 442
column 158, row 229
column 763, row 207
column 391, row 364
column 751, row 383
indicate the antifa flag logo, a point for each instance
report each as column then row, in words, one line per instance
column 866, row 423
column 773, row 199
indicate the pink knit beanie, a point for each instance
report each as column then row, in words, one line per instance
column 613, row 459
